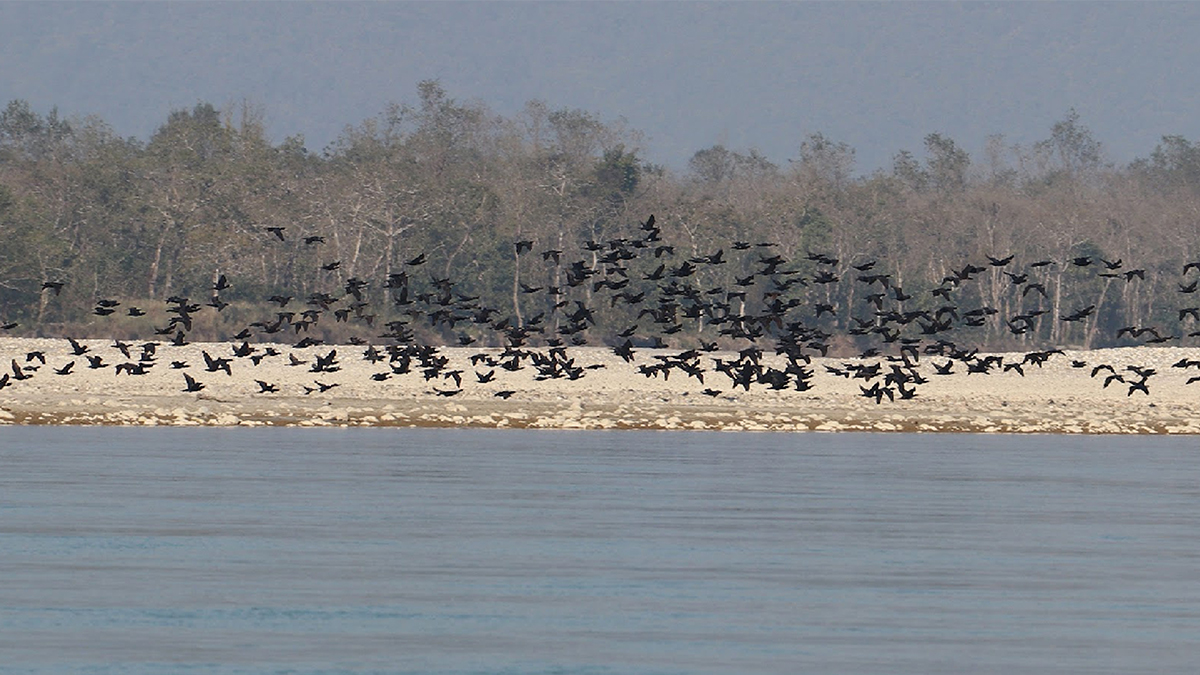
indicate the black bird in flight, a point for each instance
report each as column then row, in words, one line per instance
column 193, row 385
column 18, row 373
column 1040, row 288
column 1080, row 314
column 212, row 365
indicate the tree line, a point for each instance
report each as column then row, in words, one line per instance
column 457, row 185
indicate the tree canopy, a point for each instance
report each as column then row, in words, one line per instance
column 208, row 194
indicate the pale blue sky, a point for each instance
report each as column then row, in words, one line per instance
column 879, row 76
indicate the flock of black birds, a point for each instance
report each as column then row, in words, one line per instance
column 776, row 308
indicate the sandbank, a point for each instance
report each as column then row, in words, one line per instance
column 1061, row 396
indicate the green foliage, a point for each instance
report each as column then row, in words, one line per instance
column 191, row 138
column 616, row 175
column 1071, row 148
column 947, row 164
column 26, row 135
column 908, row 171
column 718, row 164
column 1174, row 164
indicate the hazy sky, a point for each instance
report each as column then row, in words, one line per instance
column 879, row 76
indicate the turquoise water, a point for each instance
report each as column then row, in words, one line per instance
column 444, row 551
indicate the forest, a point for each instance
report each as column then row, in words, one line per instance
column 442, row 189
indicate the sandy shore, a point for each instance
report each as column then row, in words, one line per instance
column 1059, row 397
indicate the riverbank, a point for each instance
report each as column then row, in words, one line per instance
column 263, row 388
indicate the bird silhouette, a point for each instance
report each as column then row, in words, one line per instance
column 192, row 384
